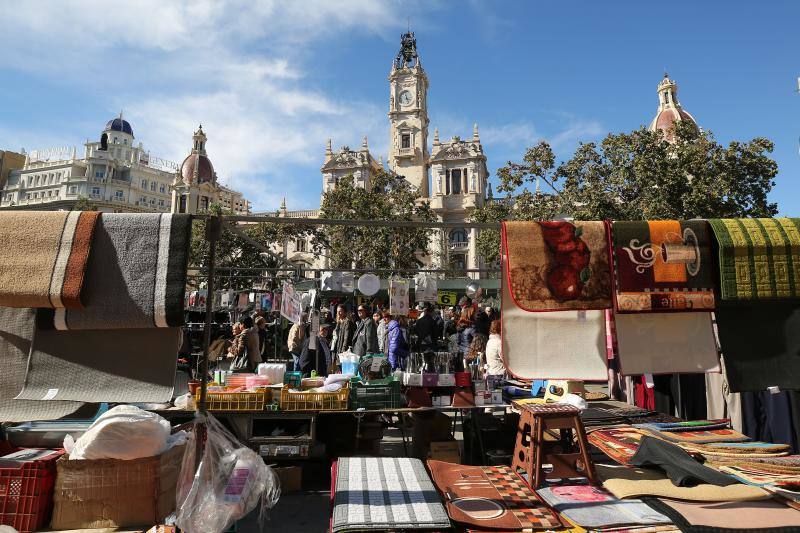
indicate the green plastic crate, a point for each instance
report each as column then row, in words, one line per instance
column 375, row 394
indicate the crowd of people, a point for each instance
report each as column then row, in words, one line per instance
column 468, row 330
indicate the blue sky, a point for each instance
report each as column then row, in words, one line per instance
column 271, row 81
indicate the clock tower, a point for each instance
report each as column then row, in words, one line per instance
column 408, row 116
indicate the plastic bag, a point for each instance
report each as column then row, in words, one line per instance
column 124, row 432
column 226, row 486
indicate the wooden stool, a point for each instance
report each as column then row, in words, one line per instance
column 532, row 450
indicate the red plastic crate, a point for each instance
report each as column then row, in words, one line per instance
column 26, row 494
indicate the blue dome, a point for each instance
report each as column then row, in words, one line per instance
column 118, row 124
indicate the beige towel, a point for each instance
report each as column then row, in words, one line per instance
column 625, row 482
column 43, row 257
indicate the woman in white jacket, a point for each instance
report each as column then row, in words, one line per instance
column 494, row 362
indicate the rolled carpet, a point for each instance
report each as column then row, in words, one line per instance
column 136, row 275
column 43, row 257
column 104, row 365
column 16, row 332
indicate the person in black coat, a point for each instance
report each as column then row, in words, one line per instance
column 319, row 356
column 427, row 330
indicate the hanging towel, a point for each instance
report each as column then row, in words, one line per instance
column 16, row 332
column 43, row 257
column 555, row 345
column 664, row 265
column 136, row 276
column 758, row 257
column 556, row 266
column 104, row 365
column 761, row 343
column 660, row 343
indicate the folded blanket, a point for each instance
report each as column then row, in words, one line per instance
column 624, row 482
column 491, row 497
column 709, row 517
column 695, row 436
column 758, row 257
column 43, row 257
column 16, row 333
column 691, row 425
column 385, row 494
column 136, row 276
column 557, row 265
column 117, row 365
column 679, row 466
column 663, row 265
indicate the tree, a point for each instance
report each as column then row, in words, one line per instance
column 235, row 256
column 637, row 176
column 388, row 197
column 84, row 204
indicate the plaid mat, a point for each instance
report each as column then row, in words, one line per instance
column 385, row 493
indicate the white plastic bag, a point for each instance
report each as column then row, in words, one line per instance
column 124, row 432
column 226, row 486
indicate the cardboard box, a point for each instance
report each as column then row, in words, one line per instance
column 412, row 380
column 447, row 380
column 442, row 401
column 291, row 478
column 430, row 380
column 447, row 451
column 108, row 493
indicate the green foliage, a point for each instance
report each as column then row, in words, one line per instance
column 637, row 176
column 388, row 198
column 84, row 204
column 234, row 255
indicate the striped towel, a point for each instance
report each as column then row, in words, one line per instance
column 136, row 276
column 43, row 257
column 759, row 257
column 385, row 494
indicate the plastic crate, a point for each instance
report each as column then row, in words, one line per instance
column 292, row 379
column 234, row 401
column 314, row 401
column 26, row 494
column 376, row 394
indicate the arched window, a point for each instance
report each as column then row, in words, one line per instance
column 458, row 235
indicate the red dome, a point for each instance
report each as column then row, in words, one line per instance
column 205, row 170
column 665, row 120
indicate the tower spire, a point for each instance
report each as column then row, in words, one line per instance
column 364, row 145
column 475, row 137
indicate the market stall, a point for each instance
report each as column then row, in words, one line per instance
column 691, row 324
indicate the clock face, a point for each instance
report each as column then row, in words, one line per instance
column 406, row 98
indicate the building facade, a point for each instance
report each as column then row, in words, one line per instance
column 670, row 110
column 451, row 175
column 113, row 175
column 195, row 188
column 9, row 161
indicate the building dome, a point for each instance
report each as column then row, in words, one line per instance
column 670, row 110
column 197, row 168
column 119, row 124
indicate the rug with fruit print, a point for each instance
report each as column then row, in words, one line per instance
column 663, row 265
column 557, row 265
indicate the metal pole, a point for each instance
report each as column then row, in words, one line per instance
column 213, row 230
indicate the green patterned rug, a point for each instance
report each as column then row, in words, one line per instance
column 759, row 257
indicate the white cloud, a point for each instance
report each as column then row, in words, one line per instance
column 234, row 65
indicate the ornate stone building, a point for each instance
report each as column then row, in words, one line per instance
column 113, row 175
column 456, row 167
column 669, row 108
column 195, row 185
